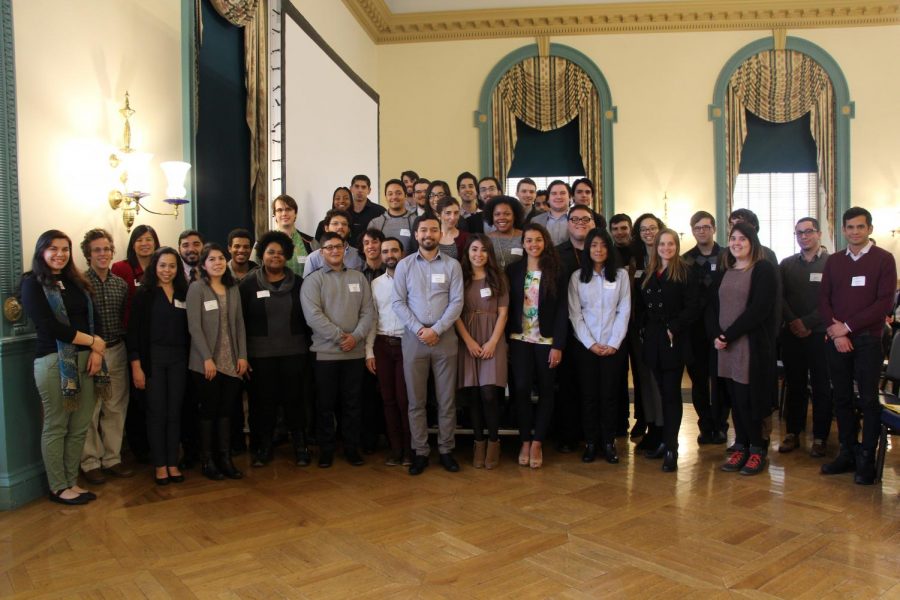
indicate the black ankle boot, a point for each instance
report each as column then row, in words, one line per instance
column 670, row 461
column 225, row 464
column 844, row 463
column 207, row 465
column 865, row 468
column 301, row 451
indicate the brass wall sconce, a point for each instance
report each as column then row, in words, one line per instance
column 128, row 198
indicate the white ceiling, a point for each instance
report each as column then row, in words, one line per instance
column 411, row 6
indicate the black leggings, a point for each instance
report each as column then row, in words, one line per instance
column 486, row 411
column 747, row 429
column 669, row 383
column 529, row 363
column 218, row 396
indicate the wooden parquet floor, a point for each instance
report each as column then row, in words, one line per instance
column 568, row 530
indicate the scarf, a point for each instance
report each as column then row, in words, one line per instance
column 70, row 384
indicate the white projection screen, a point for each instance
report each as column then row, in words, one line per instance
column 329, row 122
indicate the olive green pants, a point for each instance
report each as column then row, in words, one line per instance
column 64, row 432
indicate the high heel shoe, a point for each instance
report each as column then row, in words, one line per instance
column 525, row 454
column 537, row 456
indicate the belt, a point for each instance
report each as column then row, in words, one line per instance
column 114, row 343
column 389, row 340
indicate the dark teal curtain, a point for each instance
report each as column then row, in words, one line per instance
column 546, row 153
column 778, row 147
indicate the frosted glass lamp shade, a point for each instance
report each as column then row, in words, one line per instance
column 176, row 172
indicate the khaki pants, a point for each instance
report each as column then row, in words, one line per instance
column 103, row 446
column 63, row 436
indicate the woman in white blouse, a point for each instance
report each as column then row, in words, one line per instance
column 599, row 308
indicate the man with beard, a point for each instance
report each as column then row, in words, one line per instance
column 420, row 196
column 428, row 299
column 190, row 243
column 362, row 210
column 397, row 221
column 409, row 179
column 488, row 187
column 620, row 229
column 336, row 221
column 384, row 357
column 240, row 244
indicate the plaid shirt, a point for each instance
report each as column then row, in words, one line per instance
column 109, row 298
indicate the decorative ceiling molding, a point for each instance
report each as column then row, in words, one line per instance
column 385, row 27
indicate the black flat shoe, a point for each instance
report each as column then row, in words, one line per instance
column 670, row 462
column 89, row 496
column 177, row 478
column 161, row 480
column 612, row 457
column 449, row 463
column 76, row 501
column 590, row 453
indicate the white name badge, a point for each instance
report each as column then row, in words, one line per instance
column 404, row 233
column 638, row 274
column 485, row 292
column 858, row 281
column 515, row 251
column 438, row 278
column 179, row 304
column 263, row 294
column 60, row 284
column 712, row 267
column 609, row 285
column 211, row 305
column 815, row 277
column 137, row 283
column 354, row 287
column 302, row 259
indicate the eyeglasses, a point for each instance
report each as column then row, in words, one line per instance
column 581, row 220
column 333, row 247
column 653, row 229
column 436, row 195
column 104, row 250
column 699, row 228
column 803, row 232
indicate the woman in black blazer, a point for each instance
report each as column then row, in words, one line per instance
column 537, row 329
column 670, row 303
column 741, row 315
column 158, row 344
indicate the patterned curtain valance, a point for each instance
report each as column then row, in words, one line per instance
column 546, row 93
column 781, row 86
column 236, row 12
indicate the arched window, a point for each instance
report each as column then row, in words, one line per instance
column 557, row 103
column 782, row 139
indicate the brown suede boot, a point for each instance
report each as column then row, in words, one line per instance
column 478, row 456
column 492, row 460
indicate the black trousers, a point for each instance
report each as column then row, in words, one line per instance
column 136, row 423
column 339, row 383
column 530, row 363
column 217, row 396
column 598, row 379
column 862, row 365
column 567, row 427
column 747, row 429
column 165, row 395
column 372, row 410
column 276, row 380
column 805, row 366
column 698, row 371
column 669, row 383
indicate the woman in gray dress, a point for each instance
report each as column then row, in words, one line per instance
column 504, row 214
column 482, row 354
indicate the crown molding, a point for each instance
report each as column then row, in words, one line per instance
column 385, row 27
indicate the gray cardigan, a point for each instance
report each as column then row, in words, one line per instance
column 203, row 324
column 335, row 302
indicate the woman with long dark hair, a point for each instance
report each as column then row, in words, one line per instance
column 648, row 403
column 482, row 353
column 599, row 309
column 158, row 349
column 741, row 314
column 537, row 328
column 670, row 303
column 68, row 363
column 218, row 358
column 437, row 190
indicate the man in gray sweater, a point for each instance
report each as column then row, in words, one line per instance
column 337, row 304
column 396, row 221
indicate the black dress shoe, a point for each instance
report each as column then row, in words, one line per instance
column 76, row 501
column 354, row 458
column 844, row 463
column 449, row 463
column 590, row 453
column 718, row 437
column 865, row 468
column 670, row 461
column 419, row 464
column 659, row 452
column 326, row 458
column 612, row 457
column 161, row 480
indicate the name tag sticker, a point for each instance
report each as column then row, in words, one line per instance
column 639, row 273
column 438, row 278
column 858, row 281
column 211, row 305
column 302, row 259
column 485, row 292
column 404, row 233
column 354, row 287
column 712, row 266
column 179, row 304
column 609, row 285
column 60, row 284
column 816, row 277
column 263, row 294
column 515, row 251
column 137, row 283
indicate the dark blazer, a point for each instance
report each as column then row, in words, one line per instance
column 474, row 223
column 569, row 255
column 664, row 306
column 140, row 327
column 757, row 322
column 553, row 311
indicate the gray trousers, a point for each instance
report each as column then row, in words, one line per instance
column 103, row 445
column 418, row 361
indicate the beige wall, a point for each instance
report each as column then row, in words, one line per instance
column 74, row 62
column 662, row 85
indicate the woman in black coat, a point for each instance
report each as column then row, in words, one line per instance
column 741, row 314
column 670, row 303
column 537, row 329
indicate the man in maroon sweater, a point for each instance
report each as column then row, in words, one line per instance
column 857, row 292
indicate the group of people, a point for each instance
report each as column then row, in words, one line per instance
column 434, row 303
